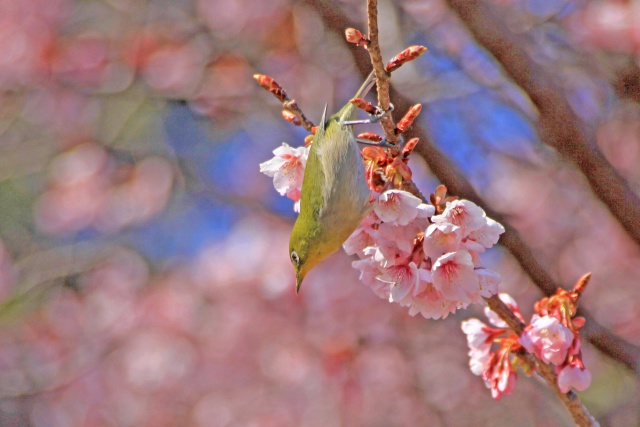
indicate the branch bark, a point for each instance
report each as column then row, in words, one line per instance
column 558, row 127
column 382, row 77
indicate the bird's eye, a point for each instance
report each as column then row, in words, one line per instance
column 295, row 258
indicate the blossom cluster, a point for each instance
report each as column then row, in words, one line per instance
column 429, row 263
column 553, row 335
column 553, row 338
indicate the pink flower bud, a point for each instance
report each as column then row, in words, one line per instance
column 573, row 376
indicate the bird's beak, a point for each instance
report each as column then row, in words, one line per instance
column 299, row 278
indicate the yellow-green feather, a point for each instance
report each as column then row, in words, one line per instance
column 334, row 191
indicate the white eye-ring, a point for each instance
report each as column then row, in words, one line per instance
column 295, row 258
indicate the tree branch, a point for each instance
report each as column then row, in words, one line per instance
column 559, row 127
column 382, row 77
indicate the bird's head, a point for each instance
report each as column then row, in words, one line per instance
column 301, row 258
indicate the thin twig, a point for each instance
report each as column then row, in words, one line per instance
column 382, row 77
column 293, row 107
column 291, row 111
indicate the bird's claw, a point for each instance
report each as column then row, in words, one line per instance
column 378, row 117
column 382, row 144
column 372, row 118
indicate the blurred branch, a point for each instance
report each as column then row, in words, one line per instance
column 579, row 412
column 627, row 84
column 59, row 262
column 558, row 126
column 607, row 342
column 31, row 158
column 45, row 266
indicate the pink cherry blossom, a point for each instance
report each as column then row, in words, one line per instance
column 500, row 376
column 402, row 279
column 463, row 213
column 287, row 169
column 573, row 376
column 369, row 272
column 547, row 338
column 478, row 361
column 479, row 340
column 386, row 253
column 440, row 239
column 398, row 207
column 485, row 237
column 402, row 237
column 488, row 281
column 454, row 276
column 427, row 300
column 506, row 382
column 425, row 210
column 431, row 305
column 361, row 238
column 478, row 335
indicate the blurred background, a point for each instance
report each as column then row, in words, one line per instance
column 144, row 271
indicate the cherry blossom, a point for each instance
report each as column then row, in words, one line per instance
column 479, row 340
column 440, row 239
column 488, row 282
column 547, row 338
column 398, row 235
column 478, row 335
column 369, row 272
column 463, row 213
column 428, row 301
column 454, row 276
column 403, row 279
column 397, row 207
column 287, row 170
column 361, row 238
column 484, row 237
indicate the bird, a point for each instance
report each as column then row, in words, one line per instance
column 335, row 196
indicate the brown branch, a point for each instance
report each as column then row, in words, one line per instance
column 382, row 77
column 627, row 82
column 558, row 126
column 603, row 339
column 501, row 309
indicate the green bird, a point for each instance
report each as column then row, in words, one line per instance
column 335, row 194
